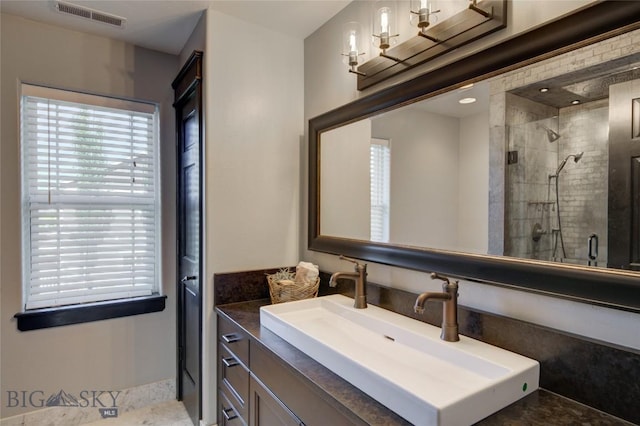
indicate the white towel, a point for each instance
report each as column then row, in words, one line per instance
column 306, row 272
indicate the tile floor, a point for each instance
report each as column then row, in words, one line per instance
column 169, row 413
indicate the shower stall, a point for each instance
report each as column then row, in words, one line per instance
column 556, row 187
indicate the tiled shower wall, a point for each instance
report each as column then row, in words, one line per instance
column 527, row 187
column 583, row 186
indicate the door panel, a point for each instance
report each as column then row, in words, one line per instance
column 188, row 95
column 191, row 353
column 191, row 205
column 267, row 410
column 624, row 176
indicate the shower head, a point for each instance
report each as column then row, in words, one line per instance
column 576, row 158
column 551, row 135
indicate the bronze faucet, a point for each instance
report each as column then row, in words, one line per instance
column 449, row 297
column 360, row 279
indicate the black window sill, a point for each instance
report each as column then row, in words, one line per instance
column 75, row 314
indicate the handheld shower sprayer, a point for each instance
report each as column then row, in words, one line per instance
column 559, row 237
column 576, row 158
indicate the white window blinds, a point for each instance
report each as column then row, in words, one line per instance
column 90, row 198
column 380, row 168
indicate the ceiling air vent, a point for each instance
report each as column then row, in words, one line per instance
column 92, row 14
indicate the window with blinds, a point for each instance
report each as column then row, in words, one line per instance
column 90, row 198
column 380, row 169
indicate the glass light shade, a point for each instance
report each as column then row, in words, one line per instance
column 384, row 24
column 423, row 13
column 352, row 43
column 417, row 5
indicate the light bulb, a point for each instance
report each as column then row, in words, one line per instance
column 384, row 21
column 353, row 46
column 423, row 4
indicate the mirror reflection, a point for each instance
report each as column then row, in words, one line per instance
column 539, row 170
column 418, row 175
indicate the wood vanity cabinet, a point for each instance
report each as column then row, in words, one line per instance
column 266, row 409
column 256, row 388
column 233, row 374
column 242, row 399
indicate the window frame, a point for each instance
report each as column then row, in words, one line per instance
column 382, row 176
column 45, row 317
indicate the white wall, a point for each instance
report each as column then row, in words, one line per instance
column 424, row 176
column 197, row 41
column 111, row 354
column 253, row 129
column 328, row 85
column 473, row 184
column 345, row 179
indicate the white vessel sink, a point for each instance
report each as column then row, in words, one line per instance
column 402, row 363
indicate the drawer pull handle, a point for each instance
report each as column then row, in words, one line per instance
column 231, row 337
column 229, row 362
column 229, row 413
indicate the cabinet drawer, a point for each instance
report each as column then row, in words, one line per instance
column 234, row 379
column 229, row 415
column 234, row 339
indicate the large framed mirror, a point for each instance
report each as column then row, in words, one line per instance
column 534, row 185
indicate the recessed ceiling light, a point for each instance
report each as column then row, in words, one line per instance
column 466, row 86
column 544, row 89
column 575, row 102
column 467, row 100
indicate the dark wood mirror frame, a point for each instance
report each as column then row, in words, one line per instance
column 605, row 287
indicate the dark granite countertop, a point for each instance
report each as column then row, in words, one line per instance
column 539, row 408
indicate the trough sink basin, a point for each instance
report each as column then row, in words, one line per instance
column 402, row 363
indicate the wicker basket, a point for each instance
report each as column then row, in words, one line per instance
column 289, row 292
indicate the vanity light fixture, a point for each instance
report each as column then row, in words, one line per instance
column 465, row 101
column 351, row 41
column 384, row 25
column 423, row 9
column 475, row 19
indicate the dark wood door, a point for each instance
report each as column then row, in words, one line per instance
column 188, row 98
column 623, row 242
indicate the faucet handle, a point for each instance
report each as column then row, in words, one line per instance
column 436, row 276
column 448, row 283
column 354, row 261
